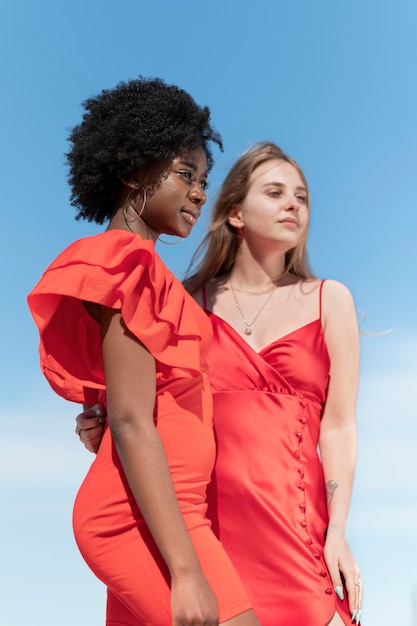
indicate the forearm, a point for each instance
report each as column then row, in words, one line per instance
column 338, row 454
column 146, row 467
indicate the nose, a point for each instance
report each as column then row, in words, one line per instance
column 197, row 194
column 293, row 204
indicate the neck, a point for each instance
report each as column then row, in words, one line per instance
column 257, row 273
column 127, row 219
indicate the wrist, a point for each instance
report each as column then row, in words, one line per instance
column 336, row 530
column 183, row 563
column 184, row 571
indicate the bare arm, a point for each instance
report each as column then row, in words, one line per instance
column 338, row 434
column 130, row 383
column 90, row 423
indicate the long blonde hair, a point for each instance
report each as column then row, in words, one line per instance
column 219, row 247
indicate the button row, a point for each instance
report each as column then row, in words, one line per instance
column 298, row 434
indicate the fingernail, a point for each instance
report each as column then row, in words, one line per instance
column 98, row 411
column 339, row 592
column 101, row 420
column 353, row 615
column 358, row 617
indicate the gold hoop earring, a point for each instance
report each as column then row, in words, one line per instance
column 138, row 214
column 127, row 221
column 171, row 243
column 142, row 208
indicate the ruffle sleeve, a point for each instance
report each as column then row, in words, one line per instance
column 119, row 270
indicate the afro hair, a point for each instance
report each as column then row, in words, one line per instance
column 142, row 123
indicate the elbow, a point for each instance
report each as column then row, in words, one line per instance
column 126, row 424
column 337, row 434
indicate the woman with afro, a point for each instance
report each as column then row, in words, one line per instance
column 117, row 327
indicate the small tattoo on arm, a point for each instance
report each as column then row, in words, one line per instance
column 331, row 487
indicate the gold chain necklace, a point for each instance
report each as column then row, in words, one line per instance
column 248, row 325
column 256, row 293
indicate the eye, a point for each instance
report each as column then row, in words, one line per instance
column 186, row 174
column 204, row 184
column 302, row 199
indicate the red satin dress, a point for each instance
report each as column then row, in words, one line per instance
column 267, row 499
column 118, row 269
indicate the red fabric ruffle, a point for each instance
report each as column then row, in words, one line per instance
column 122, row 271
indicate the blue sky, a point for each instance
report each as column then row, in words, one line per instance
column 334, row 84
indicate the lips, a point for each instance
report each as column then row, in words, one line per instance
column 290, row 220
column 191, row 216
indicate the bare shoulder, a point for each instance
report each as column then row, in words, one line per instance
column 341, row 332
column 198, row 296
column 336, row 294
column 209, row 294
column 337, row 303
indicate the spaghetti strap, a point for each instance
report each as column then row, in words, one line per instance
column 203, row 291
column 321, row 298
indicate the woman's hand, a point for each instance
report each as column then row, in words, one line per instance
column 193, row 603
column 90, row 427
column 340, row 562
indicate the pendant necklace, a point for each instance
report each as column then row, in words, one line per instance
column 248, row 325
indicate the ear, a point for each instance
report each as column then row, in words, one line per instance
column 132, row 184
column 235, row 217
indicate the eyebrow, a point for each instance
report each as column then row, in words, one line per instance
column 192, row 166
column 189, row 164
column 278, row 184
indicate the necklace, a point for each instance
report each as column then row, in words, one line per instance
column 248, row 325
column 257, row 293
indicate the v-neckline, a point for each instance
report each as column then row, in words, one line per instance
column 272, row 343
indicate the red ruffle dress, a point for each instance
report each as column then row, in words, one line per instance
column 118, row 269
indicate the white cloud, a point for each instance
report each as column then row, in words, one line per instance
column 44, row 461
column 383, row 515
column 385, row 489
column 38, row 444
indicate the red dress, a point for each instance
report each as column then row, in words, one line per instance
column 120, row 270
column 268, row 485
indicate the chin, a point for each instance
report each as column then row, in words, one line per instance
column 182, row 232
column 177, row 232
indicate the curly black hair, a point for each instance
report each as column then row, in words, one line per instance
column 141, row 123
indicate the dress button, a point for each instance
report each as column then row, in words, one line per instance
column 316, row 555
column 299, row 435
column 302, row 506
column 303, row 523
column 297, row 454
column 323, row 573
column 309, row 541
column 301, row 486
column 302, row 420
column 328, row 591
